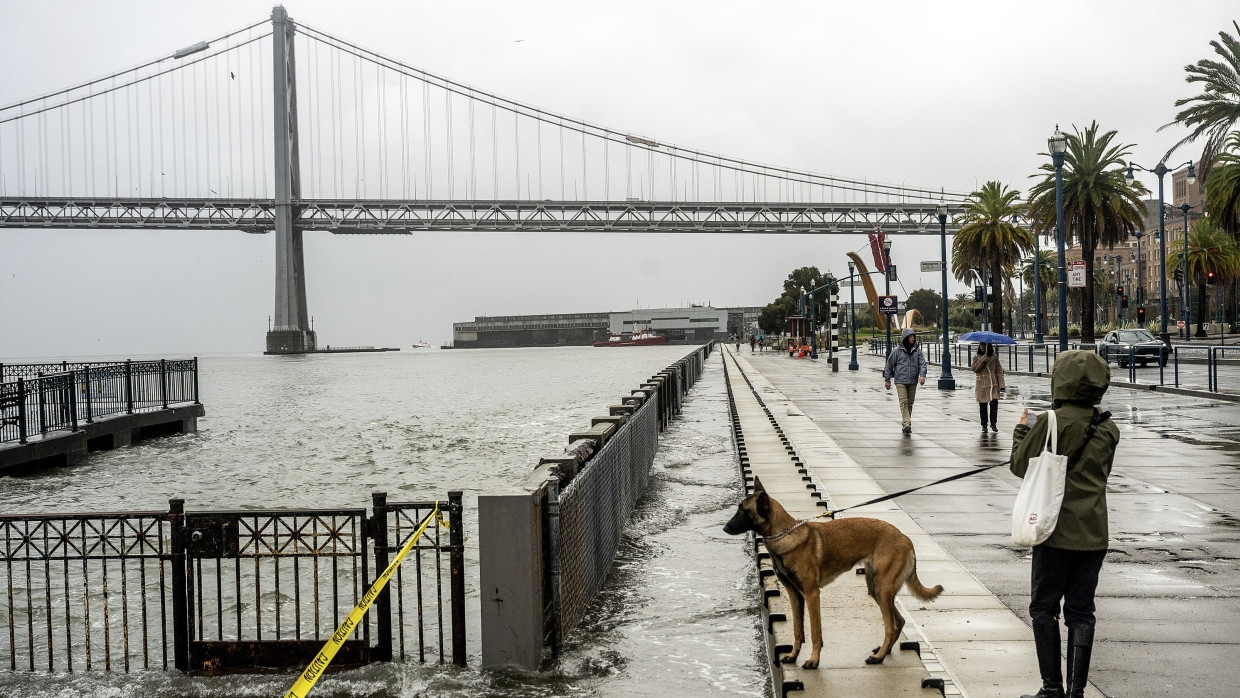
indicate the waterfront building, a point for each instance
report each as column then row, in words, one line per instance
column 695, row 324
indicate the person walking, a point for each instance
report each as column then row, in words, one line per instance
column 753, row 343
column 1066, row 566
column 989, row 384
column 906, row 365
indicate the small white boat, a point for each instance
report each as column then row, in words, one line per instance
column 421, row 344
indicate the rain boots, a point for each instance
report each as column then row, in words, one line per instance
column 1080, row 646
column 1046, row 641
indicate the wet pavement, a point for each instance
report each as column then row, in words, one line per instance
column 1167, row 598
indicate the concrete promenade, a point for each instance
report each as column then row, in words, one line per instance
column 1167, row 600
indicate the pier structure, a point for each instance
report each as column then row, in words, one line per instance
column 54, row 414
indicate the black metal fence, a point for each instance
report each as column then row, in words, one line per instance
column 36, row 402
column 1176, row 366
column 584, row 522
column 218, row 591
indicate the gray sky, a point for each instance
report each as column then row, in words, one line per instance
column 929, row 94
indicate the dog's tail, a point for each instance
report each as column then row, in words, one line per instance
column 914, row 585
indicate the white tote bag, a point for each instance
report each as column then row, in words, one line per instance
column 1036, row 510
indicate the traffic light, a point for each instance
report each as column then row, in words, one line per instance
column 1209, row 278
column 1141, row 316
column 1119, row 290
column 1123, row 301
column 977, row 312
column 1178, row 274
column 978, row 293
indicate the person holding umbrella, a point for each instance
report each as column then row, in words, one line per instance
column 990, row 384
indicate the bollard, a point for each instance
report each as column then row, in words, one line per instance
column 383, row 602
column 181, row 630
column 456, row 557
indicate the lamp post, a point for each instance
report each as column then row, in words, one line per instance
column 852, row 315
column 813, row 326
column 946, row 381
column 1119, row 280
column 1188, row 288
column 1058, row 146
column 1160, row 170
column 887, row 277
column 1020, row 278
column 1140, row 278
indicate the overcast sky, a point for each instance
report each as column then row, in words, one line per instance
column 930, row 94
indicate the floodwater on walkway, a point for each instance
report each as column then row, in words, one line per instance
column 678, row 614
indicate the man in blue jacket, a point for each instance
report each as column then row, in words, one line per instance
column 906, row 365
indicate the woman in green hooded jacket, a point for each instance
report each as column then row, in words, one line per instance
column 1066, row 566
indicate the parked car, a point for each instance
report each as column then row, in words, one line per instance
column 1145, row 348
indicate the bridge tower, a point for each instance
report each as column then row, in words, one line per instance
column 291, row 333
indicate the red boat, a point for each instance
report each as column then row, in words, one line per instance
column 643, row 338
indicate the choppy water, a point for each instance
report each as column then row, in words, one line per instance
column 678, row 614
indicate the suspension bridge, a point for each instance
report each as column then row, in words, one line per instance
column 282, row 127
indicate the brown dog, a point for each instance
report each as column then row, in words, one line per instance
column 809, row 554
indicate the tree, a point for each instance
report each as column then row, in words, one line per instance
column 927, row 302
column 1223, row 188
column 773, row 316
column 1047, row 276
column 1216, row 109
column 1209, row 250
column 1100, row 208
column 989, row 239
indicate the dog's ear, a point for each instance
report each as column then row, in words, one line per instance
column 757, row 485
column 763, row 504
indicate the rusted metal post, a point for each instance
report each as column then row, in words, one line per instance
column 21, row 410
column 382, row 651
column 163, row 382
column 128, row 386
column 90, row 412
column 456, row 559
column 180, row 591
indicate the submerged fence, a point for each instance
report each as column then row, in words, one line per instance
column 546, row 549
column 216, row 591
column 36, row 399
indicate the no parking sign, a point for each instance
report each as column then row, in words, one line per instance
column 888, row 305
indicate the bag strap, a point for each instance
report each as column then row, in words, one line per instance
column 1097, row 419
column 1051, row 445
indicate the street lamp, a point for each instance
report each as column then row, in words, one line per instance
column 887, row 276
column 946, row 381
column 1058, row 144
column 1161, row 169
column 1188, row 288
column 813, row 326
column 1020, row 278
column 852, row 315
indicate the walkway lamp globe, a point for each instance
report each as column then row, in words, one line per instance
column 887, row 277
column 1058, row 144
column 946, row 381
column 852, row 314
column 1161, row 170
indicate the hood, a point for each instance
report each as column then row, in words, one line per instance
column 1081, row 377
column 905, row 333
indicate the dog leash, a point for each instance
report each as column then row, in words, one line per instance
column 831, row 514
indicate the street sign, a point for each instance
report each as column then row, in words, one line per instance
column 888, row 305
column 1179, row 324
column 932, row 266
column 1076, row 274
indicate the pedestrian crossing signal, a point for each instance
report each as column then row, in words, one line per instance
column 1141, row 315
column 1123, row 301
column 1209, row 278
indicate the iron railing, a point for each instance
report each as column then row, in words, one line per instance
column 218, row 591
column 35, row 402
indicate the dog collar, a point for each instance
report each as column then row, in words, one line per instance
column 777, row 536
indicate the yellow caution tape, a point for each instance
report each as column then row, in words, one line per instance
column 305, row 683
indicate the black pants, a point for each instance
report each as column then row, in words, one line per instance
column 1067, row 576
column 994, row 412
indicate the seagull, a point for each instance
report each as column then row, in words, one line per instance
column 518, row 41
column 232, row 75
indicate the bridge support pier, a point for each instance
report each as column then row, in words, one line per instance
column 292, row 333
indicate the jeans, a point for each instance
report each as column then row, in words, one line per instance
column 1067, row 576
column 994, row 412
column 906, row 393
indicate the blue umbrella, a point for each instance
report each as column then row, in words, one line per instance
column 987, row 337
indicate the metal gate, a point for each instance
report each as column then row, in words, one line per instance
column 221, row 591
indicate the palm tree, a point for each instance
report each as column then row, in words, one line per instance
column 1216, row 109
column 1045, row 263
column 1209, row 250
column 988, row 239
column 1099, row 207
column 1223, row 187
